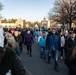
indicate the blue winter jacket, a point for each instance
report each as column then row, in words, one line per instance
column 36, row 33
column 53, row 42
column 42, row 41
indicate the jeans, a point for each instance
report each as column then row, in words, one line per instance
column 36, row 39
column 53, row 54
column 56, row 59
column 43, row 52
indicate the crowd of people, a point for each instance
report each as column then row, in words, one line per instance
column 58, row 43
column 54, row 43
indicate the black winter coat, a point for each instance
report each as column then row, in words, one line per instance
column 69, row 43
column 71, row 64
column 11, row 62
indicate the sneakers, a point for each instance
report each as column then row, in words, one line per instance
column 56, row 69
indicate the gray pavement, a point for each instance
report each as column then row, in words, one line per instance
column 36, row 66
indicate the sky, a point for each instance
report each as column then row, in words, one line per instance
column 30, row 10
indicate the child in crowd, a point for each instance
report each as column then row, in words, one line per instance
column 42, row 43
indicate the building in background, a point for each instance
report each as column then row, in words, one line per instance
column 44, row 23
column 18, row 23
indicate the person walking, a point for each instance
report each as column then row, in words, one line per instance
column 28, row 41
column 53, row 44
column 62, row 44
column 9, row 61
column 42, row 43
column 13, row 44
column 70, row 42
column 18, row 38
column 70, row 61
column 36, row 35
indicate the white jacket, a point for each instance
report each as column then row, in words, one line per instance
column 62, row 41
column 1, row 37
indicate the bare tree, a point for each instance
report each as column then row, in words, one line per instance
column 65, row 11
column 1, row 6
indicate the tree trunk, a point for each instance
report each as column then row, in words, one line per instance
column 70, row 24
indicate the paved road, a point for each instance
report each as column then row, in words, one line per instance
column 36, row 66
